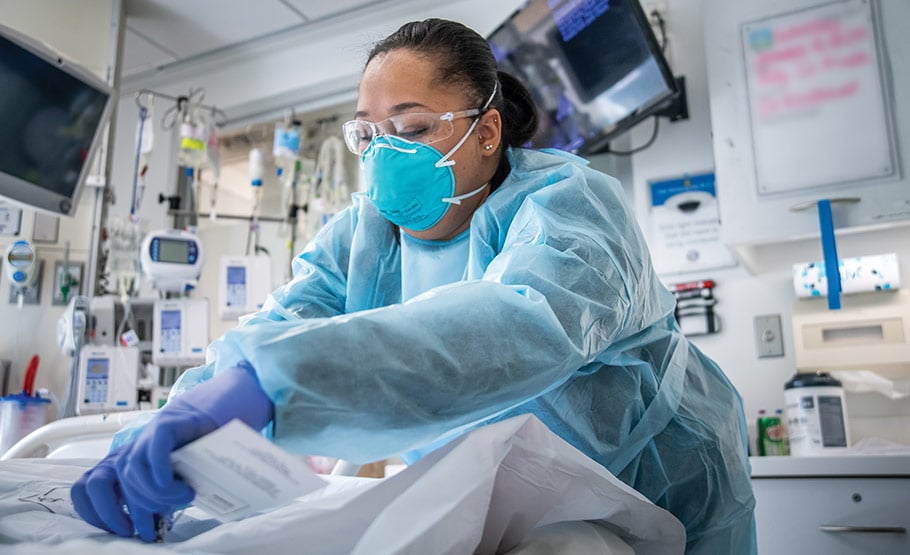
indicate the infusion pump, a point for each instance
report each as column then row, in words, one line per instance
column 244, row 283
column 108, row 378
column 180, row 332
column 171, row 258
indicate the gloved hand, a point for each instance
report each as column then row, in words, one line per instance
column 140, row 476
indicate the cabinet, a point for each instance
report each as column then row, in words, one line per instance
column 832, row 505
column 757, row 214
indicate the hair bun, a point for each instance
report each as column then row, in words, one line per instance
column 519, row 111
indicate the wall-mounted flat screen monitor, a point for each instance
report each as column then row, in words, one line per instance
column 51, row 115
column 594, row 68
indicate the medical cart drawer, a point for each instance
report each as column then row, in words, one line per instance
column 832, row 515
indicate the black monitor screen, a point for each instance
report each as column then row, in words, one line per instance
column 593, row 67
column 49, row 117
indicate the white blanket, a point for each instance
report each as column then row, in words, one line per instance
column 512, row 487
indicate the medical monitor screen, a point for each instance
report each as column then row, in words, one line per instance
column 174, row 252
column 50, row 115
column 593, row 67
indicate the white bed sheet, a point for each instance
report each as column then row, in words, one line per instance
column 512, row 487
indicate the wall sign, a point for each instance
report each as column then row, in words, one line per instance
column 685, row 226
column 818, row 104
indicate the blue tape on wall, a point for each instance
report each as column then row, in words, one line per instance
column 829, row 248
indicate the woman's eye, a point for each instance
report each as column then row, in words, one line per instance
column 413, row 132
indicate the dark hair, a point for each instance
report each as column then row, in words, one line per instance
column 464, row 58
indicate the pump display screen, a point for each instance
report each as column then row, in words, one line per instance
column 236, row 275
column 170, row 331
column 97, row 376
column 98, row 367
column 175, row 252
column 236, row 286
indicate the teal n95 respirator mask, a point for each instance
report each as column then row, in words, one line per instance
column 412, row 183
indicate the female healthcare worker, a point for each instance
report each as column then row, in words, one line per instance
column 474, row 281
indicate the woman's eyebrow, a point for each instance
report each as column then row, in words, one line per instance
column 405, row 106
column 396, row 109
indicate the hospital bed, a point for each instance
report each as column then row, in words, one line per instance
column 82, row 436
column 512, row 487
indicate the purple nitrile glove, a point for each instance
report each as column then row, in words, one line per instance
column 139, row 476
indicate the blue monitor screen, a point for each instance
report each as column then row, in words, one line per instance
column 593, row 67
column 236, row 275
column 170, row 320
column 97, row 368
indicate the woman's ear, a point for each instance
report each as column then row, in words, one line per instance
column 489, row 132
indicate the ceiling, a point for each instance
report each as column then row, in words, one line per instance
column 161, row 32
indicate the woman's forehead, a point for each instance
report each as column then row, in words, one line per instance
column 403, row 78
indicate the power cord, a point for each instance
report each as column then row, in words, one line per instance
column 639, row 148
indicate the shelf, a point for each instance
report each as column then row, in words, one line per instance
column 762, row 258
column 873, row 466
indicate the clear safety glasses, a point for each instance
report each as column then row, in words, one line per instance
column 418, row 127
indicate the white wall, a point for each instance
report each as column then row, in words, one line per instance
column 81, row 31
column 686, row 147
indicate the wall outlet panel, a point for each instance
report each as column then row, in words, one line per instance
column 769, row 338
column 75, row 274
column 46, row 228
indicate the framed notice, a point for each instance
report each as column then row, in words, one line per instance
column 685, row 225
column 819, row 103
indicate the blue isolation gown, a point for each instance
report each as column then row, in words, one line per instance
column 557, row 312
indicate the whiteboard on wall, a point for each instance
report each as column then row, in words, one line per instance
column 819, row 105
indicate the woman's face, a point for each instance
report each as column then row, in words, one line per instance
column 402, row 81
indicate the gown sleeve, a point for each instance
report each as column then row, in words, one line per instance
column 369, row 384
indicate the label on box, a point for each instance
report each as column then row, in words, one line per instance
column 236, row 472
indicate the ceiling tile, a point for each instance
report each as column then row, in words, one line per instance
column 139, row 54
column 318, row 9
column 193, row 27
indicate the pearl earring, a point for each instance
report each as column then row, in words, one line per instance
column 488, row 147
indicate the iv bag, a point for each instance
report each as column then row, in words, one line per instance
column 193, row 139
column 145, row 133
column 213, row 153
column 257, row 167
column 286, row 145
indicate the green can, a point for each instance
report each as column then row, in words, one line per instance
column 772, row 441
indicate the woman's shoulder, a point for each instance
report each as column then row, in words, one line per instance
column 550, row 181
column 545, row 157
column 550, row 172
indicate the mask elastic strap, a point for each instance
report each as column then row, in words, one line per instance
column 393, row 147
column 459, row 198
column 444, row 161
column 490, row 100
